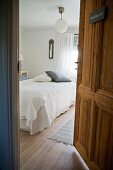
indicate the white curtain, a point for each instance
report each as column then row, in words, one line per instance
column 64, row 53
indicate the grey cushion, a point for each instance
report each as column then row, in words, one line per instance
column 57, row 77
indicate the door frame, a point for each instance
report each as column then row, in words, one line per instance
column 9, row 127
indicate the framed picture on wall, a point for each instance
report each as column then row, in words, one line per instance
column 51, row 49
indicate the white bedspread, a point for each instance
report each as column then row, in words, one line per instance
column 56, row 98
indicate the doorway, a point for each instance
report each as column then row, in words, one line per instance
column 34, row 60
column 101, row 99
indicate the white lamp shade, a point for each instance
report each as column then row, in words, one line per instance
column 61, row 25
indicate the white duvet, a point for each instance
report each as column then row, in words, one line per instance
column 54, row 98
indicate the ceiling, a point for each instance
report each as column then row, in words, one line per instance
column 44, row 13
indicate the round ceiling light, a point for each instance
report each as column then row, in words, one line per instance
column 61, row 25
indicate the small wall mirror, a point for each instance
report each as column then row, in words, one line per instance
column 51, row 48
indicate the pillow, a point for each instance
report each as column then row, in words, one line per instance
column 42, row 78
column 57, row 77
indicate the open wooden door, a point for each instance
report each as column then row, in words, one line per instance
column 94, row 102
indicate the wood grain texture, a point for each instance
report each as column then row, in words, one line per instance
column 94, row 104
column 107, row 62
column 37, row 152
column 84, row 123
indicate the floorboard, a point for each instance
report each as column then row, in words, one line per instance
column 37, row 152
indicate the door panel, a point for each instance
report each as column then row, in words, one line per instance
column 107, row 67
column 101, row 137
column 84, row 123
column 94, row 101
column 86, row 74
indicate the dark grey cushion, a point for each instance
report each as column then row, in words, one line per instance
column 57, row 77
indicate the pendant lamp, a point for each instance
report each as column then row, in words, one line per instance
column 61, row 25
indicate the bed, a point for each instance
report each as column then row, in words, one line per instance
column 42, row 102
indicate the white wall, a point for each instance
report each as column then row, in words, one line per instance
column 35, row 50
column 20, row 41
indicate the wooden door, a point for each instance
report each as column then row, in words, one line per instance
column 94, row 102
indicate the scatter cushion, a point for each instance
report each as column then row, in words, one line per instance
column 57, row 77
column 42, row 78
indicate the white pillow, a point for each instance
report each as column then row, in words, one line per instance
column 42, row 78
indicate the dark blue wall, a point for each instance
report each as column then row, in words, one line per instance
column 4, row 89
column 6, row 100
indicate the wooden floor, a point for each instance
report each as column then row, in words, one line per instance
column 37, row 152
